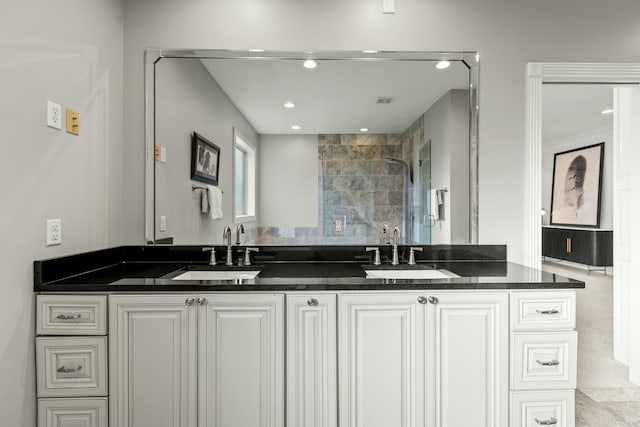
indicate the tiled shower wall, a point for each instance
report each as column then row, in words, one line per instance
column 358, row 187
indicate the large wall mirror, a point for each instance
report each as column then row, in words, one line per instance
column 311, row 147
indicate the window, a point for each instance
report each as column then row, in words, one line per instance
column 244, row 179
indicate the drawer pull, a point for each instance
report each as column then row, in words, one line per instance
column 553, row 362
column 68, row 316
column 312, row 302
column 548, row 311
column 551, row 421
column 65, row 370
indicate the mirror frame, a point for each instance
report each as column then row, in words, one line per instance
column 152, row 55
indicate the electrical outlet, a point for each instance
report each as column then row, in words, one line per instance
column 163, row 223
column 54, row 115
column 54, row 232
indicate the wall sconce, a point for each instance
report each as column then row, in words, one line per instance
column 543, row 212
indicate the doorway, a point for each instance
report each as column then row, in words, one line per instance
column 626, row 150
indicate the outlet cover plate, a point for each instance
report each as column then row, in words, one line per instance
column 54, row 115
column 54, row 232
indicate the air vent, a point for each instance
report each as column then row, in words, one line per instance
column 385, row 100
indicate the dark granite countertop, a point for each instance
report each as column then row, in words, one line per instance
column 115, row 270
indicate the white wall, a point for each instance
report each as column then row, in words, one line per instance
column 583, row 139
column 507, row 34
column 69, row 52
column 283, row 201
column 188, row 100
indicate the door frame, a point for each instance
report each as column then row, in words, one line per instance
column 569, row 73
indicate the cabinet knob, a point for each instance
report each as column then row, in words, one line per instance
column 433, row 300
column 551, row 421
column 312, row 302
column 201, row 301
column 189, row 301
column 422, row 300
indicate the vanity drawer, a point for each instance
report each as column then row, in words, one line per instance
column 72, row 412
column 543, row 310
column 543, row 408
column 71, row 315
column 74, row 366
column 544, row 361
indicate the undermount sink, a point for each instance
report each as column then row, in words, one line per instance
column 409, row 274
column 217, row 275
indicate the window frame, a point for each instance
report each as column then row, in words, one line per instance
column 250, row 177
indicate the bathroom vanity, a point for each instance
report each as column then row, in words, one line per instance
column 309, row 341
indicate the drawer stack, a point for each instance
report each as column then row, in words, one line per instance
column 71, row 360
column 544, row 347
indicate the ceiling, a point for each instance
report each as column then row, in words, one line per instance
column 338, row 96
column 572, row 109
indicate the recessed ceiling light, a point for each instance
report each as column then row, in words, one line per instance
column 295, row 127
column 289, row 104
column 364, row 129
column 369, row 51
column 442, row 65
column 607, row 111
column 310, row 64
column 256, row 50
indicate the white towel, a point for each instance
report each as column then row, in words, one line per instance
column 433, row 194
column 204, row 201
column 215, row 202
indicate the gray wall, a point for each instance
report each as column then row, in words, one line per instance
column 447, row 126
column 69, row 52
column 188, row 100
column 507, row 34
column 283, row 201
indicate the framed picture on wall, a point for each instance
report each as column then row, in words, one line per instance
column 577, row 186
column 205, row 160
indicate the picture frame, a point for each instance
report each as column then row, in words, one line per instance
column 205, row 160
column 576, row 189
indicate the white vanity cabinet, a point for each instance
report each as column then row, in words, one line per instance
column 467, row 359
column 543, row 358
column 71, row 360
column 415, row 359
column 152, row 360
column 311, row 370
column 213, row 360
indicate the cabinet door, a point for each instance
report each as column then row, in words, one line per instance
column 240, row 360
column 311, row 361
column 152, row 361
column 381, row 360
column 467, row 360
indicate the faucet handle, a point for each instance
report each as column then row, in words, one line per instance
column 412, row 256
column 376, row 259
column 247, row 258
column 212, row 260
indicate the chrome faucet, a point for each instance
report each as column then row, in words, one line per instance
column 394, row 243
column 226, row 234
column 239, row 229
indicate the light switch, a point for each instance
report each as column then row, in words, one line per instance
column 163, row 154
column 388, row 6
column 163, row 223
column 73, row 122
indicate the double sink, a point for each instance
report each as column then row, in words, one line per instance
column 292, row 270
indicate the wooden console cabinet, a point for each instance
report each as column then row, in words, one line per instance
column 593, row 247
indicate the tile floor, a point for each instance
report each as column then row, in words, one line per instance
column 604, row 398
